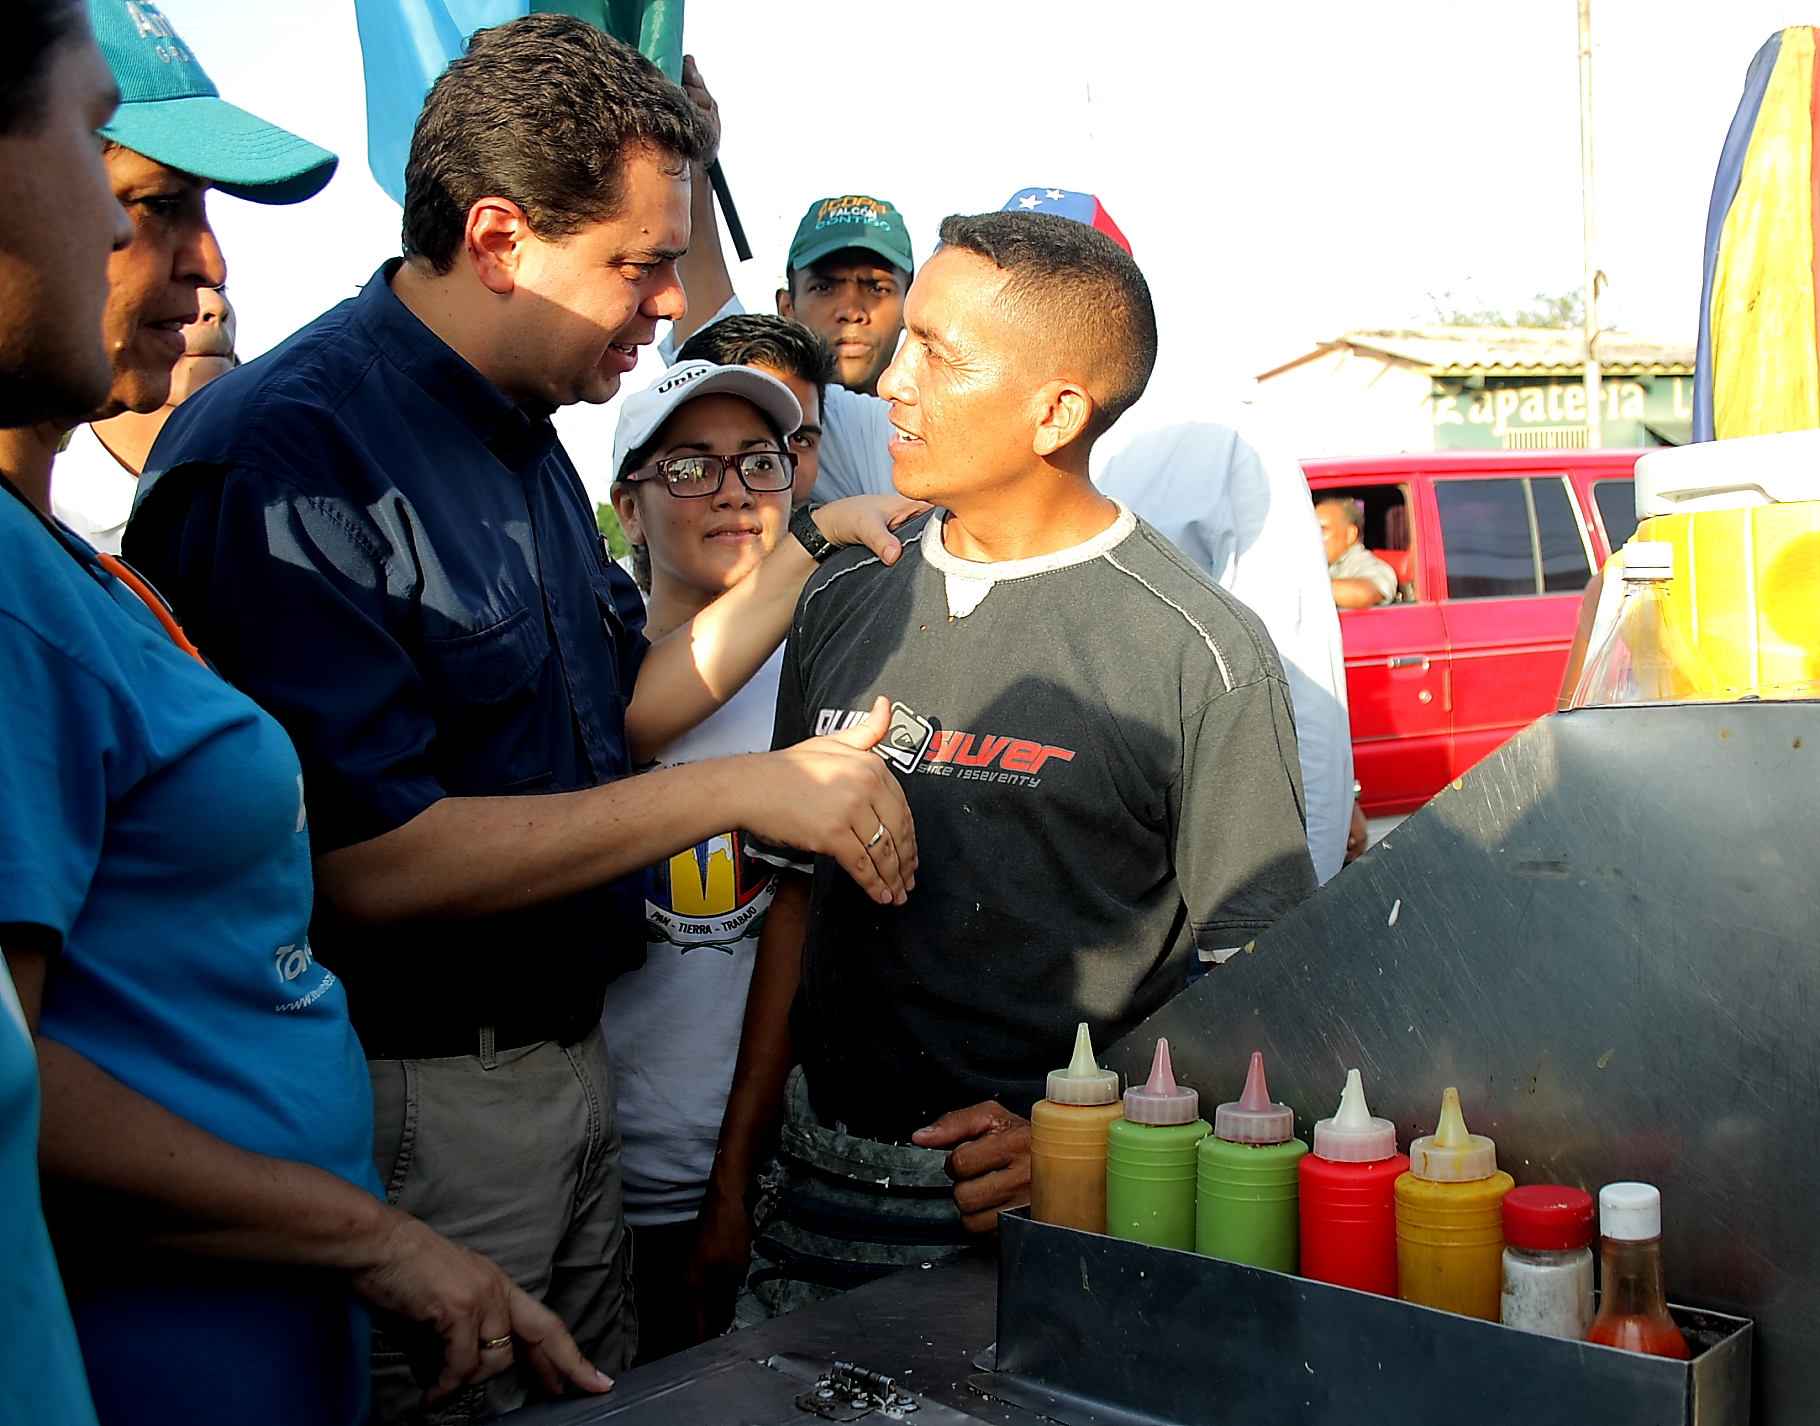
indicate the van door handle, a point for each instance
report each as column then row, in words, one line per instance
column 1408, row 661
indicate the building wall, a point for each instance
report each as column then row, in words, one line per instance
column 1343, row 404
column 1542, row 412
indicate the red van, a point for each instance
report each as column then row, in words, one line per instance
column 1492, row 550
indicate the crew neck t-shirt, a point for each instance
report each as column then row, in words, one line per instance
column 1098, row 750
column 155, row 821
column 672, row 1026
column 91, row 491
column 41, row 1375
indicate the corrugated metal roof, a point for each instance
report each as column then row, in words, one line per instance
column 1468, row 349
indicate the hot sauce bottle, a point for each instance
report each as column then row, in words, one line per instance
column 1633, row 1307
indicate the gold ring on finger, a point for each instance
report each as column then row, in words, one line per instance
column 496, row 1344
column 876, row 837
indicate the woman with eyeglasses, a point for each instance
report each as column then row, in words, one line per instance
column 703, row 497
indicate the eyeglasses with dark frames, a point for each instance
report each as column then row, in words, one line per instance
column 691, row 477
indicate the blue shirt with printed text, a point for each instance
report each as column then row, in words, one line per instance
column 154, row 820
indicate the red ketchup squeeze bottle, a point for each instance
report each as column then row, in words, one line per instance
column 1633, row 1307
column 1348, row 1197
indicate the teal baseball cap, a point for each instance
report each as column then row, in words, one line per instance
column 851, row 221
column 171, row 111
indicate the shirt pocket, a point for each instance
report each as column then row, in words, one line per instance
column 488, row 666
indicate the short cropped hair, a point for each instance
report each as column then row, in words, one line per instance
column 780, row 342
column 1077, row 291
column 34, row 30
column 1351, row 509
column 543, row 110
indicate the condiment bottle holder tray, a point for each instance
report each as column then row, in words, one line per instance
column 1096, row 1331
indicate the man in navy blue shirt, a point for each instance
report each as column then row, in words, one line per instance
column 375, row 532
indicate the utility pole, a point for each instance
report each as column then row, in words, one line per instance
column 1595, row 415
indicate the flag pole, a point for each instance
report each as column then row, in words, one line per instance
column 1595, row 415
column 735, row 229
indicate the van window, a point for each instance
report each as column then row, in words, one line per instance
column 1485, row 528
column 1386, row 533
column 1617, row 501
column 1510, row 536
column 1565, row 564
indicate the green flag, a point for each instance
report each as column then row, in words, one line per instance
column 655, row 26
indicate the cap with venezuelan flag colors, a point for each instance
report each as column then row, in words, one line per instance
column 171, row 111
column 1082, row 207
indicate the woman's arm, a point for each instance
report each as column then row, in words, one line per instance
column 693, row 670
column 198, row 1194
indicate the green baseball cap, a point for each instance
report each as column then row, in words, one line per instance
column 851, row 221
column 171, row 111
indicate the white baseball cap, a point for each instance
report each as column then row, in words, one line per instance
column 646, row 411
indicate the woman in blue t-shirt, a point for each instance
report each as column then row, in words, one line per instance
column 207, row 1120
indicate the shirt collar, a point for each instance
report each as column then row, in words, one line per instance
column 519, row 435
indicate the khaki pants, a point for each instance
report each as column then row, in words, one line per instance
column 515, row 1155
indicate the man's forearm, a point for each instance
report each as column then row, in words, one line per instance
column 1356, row 593
column 766, row 1052
column 464, row 857
column 703, row 268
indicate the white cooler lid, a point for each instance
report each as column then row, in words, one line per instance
column 1729, row 475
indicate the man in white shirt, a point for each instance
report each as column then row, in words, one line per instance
column 1239, row 509
column 97, row 472
column 1360, row 579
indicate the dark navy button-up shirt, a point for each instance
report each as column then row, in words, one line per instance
column 401, row 565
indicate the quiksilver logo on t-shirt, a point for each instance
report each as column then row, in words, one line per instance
column 914, row 744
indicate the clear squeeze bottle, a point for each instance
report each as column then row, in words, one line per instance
column 1245, row 1187
column 1068, row 1141
column 1150, row 1160
column 1645, row 657
column 1548, row 1281
column 1450, row 1220
column 1633, row 1308
column 1348, row 1197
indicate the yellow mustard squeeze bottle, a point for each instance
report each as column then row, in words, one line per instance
column 1068, row 1141
column 1450, row 1219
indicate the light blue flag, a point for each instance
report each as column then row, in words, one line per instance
column 406, row 44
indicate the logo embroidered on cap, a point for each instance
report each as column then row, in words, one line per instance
column 854, row 208
column 683, row 378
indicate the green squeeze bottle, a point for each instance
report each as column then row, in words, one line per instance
column 1150, row 1160
column 1245, row 1204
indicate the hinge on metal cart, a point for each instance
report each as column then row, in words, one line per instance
column 848, row 1393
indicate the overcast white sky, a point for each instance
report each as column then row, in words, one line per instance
column 1284, row 171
